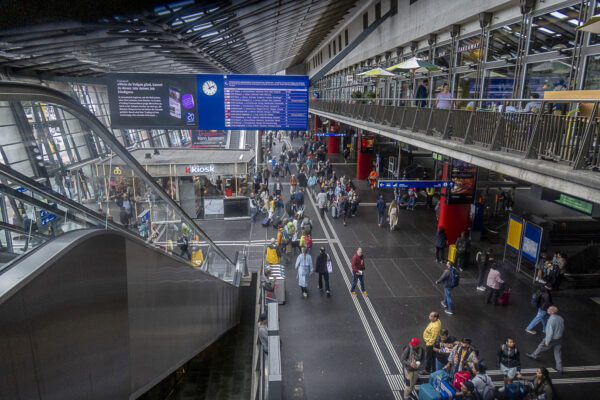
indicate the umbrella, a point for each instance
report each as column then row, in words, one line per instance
column 592, row 25
column 413, row 65
column 491, row 74
column 377, row 73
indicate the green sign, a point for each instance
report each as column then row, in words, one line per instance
column 434, row 155
column 576, row 204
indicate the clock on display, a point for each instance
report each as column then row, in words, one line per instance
column 209, row 88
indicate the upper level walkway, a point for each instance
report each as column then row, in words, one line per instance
column 554, row 151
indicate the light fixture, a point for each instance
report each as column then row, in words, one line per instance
column 546, row 30
column 559, row 15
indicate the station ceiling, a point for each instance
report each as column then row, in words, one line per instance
column 72, row 38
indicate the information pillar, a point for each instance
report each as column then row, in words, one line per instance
column 364, row 156
column 453, row 217
column 333, row 143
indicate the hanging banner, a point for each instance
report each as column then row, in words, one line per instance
column 515, row 230
column 532, row 239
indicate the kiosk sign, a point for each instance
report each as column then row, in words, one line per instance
column 200, row 169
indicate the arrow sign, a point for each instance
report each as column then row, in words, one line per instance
column 386, row 184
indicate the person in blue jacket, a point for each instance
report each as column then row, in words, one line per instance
column 380, row 210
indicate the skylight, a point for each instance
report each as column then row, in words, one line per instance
column 574, row 21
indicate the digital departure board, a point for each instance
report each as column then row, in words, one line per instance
column 208, row 101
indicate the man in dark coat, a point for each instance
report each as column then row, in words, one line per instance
column 322, row 269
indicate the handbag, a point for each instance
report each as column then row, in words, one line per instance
column 329, row 265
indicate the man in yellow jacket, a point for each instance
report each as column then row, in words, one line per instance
column 429, row 335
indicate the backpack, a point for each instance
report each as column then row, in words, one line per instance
column 454, row 278
column 536, row 298
column 488, row 390
column 308, row 241
column 480, row 257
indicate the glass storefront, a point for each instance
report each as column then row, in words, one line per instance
column 498, row 83
column 554, row 30
column 504, row 42
column 468, row 51
column 592, row 74
column 546, row 76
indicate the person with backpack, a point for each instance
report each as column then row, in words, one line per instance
column 412, row 359
column 306, row 225
column 272, row 255
column 451, row 279
column 462, row 357
column 509, row 360
column 304, row 266
column 494, row 282
column 323, row 267
column 441, row 240
column 482, row 382
column 543, row 389
column 541, row 300
column 483, row 259
column 299, row 200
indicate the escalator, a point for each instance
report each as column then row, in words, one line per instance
column 101, row 299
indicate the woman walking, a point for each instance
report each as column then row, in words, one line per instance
column 393, row 214
column 304, row 266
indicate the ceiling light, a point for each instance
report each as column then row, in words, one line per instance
column 551, row 32
column 559, row 15
column 574, row 21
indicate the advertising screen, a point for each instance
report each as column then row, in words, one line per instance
column 208, row 101
column 464, row 176
column 152, row 101
column 208, row 139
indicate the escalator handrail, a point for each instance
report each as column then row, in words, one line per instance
column 18, row 91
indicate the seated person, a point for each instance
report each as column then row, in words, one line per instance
column 533, row 105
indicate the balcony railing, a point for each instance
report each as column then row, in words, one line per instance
column 569, row 138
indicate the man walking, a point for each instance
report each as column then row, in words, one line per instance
column 483, row 259
column 380, row 210
column 429, row 335
column 462, row 244
column 554, row 333
column 322, row 202
column 358, row 269
column 544, row 301
column 322, row 267
column 451, row 278
column 412, row 358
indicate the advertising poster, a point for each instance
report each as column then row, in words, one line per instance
column 464, row 176
column 515, row 228
column 209, row 139
column 532, row 238
column 151, row 101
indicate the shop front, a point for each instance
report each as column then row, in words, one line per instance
column 208, row 184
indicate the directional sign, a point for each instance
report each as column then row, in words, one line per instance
column 329, row 134
column 20, row 189
column 46, row 217
column 385, row 184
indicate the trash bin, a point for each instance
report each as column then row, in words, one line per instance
column 452, row 253
column 278, row 273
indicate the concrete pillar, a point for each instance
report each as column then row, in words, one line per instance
column 453, row 217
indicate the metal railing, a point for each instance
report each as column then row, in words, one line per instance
column 112, row 191
column 546, row 133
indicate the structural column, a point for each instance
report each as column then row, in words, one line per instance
column 364, row 156
column 318, row 126
column 333, row 143
column 454, row 218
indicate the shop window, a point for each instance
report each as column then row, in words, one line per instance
column 594, row 37
column 498, row 83
column 554, row 30
column 547, row 76
column 468, row 50
column 443, row 56
column 592, row 73
column 504, row 42
column 465, row 87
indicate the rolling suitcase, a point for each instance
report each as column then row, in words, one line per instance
column 452, row 253
column 436, row 377
column 428, row 392
column 266, row 221
column 446, row 390
column 505, row 298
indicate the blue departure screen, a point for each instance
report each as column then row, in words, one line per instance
column 252, row 102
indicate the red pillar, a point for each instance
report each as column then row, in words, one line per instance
column 364, row 164
column 333, row 142
column 453, row 217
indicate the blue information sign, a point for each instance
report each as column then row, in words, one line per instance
column 329, row 134
column 385, row 184
column 532, row 238
column 252, row 102
column 46, row 217
column 20, row 189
